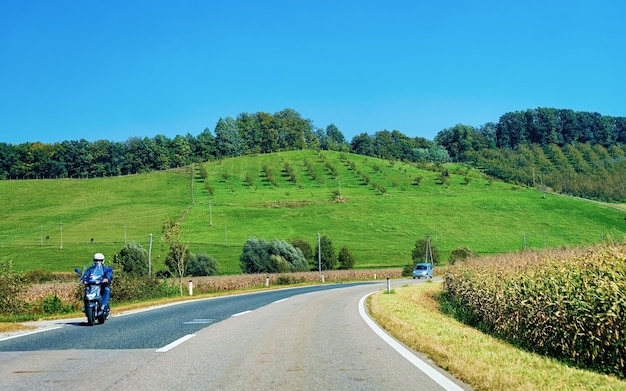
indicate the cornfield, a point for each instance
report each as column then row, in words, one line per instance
column 68, row 291
column 569, row 304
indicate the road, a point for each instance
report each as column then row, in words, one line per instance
column 309, row 338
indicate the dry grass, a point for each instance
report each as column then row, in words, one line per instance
column 412, row 315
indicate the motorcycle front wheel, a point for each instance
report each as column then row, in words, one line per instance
column 91, row 315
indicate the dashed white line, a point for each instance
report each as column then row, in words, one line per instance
column 175, row 343
column 241, row 313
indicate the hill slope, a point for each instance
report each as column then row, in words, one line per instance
column 376, row 208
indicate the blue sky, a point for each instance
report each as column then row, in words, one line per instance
column 120, row 69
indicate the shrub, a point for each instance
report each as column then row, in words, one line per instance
column 346, row 259
column 132, row 259
column 201, row 265
column 11, row 284
column 255, row 257
column 127, row 288
column 420, row 254
column 289, row 279
column 407, row 270
column 460, row 254
column 38, row 276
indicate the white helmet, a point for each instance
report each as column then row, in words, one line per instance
column 98, row 257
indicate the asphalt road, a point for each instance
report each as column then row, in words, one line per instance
column 309, row 338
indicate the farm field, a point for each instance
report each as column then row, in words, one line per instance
column 376, row 208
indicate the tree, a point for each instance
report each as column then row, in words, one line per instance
column 178, row 250
column 261, row 256
column 419, row 253
column 346, row 259
column 132, row 260
column 457, row 140
column 201, row 265
column 227, row 139
column 328, row 258
column 305, row 247
column 362, row 144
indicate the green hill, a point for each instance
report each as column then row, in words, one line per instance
column 376, row 208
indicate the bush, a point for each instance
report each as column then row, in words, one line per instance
column 346, row 259
column 407, row 270
column 289, row 279
column 132, row 260
column 460, row 254
column 256, row 256
column 11, row 284
column 201, row 265
column 126, row 288
column 38, row 276
column 418, row 254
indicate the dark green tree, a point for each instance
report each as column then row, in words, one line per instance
column 201, row 265
column 346, row 259
column 132, row 260
column 328, row 258
column 419, row 253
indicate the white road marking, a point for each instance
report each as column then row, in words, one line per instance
column 29, row 333
column 175, row 343
column 279, row 301
column 241, row 313
column 404, row 352
column 200, row 321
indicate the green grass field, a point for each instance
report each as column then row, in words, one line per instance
column 379, row 227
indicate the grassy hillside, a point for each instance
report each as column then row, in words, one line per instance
column 49, row 224
column 382, row 211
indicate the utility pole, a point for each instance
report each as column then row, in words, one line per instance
column 150, row 257
column 319, row 253
column 429, row 251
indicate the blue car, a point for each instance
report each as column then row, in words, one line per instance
column 424, row 270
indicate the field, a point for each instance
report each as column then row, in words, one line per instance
column 376, row 208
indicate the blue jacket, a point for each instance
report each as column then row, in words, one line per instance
column 105, row 272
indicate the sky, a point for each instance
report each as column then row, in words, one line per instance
column 114, row 70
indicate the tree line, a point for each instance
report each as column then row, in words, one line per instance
column 248, row 133
column 496, row 148
column 575, row 153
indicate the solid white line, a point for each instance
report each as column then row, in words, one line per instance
column 175, row 343
column 406, row 353
column 30, row 333
column 241, row 313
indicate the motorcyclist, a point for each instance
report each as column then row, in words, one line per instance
column 106, row 273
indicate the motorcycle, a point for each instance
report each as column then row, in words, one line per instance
column 92, row 279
